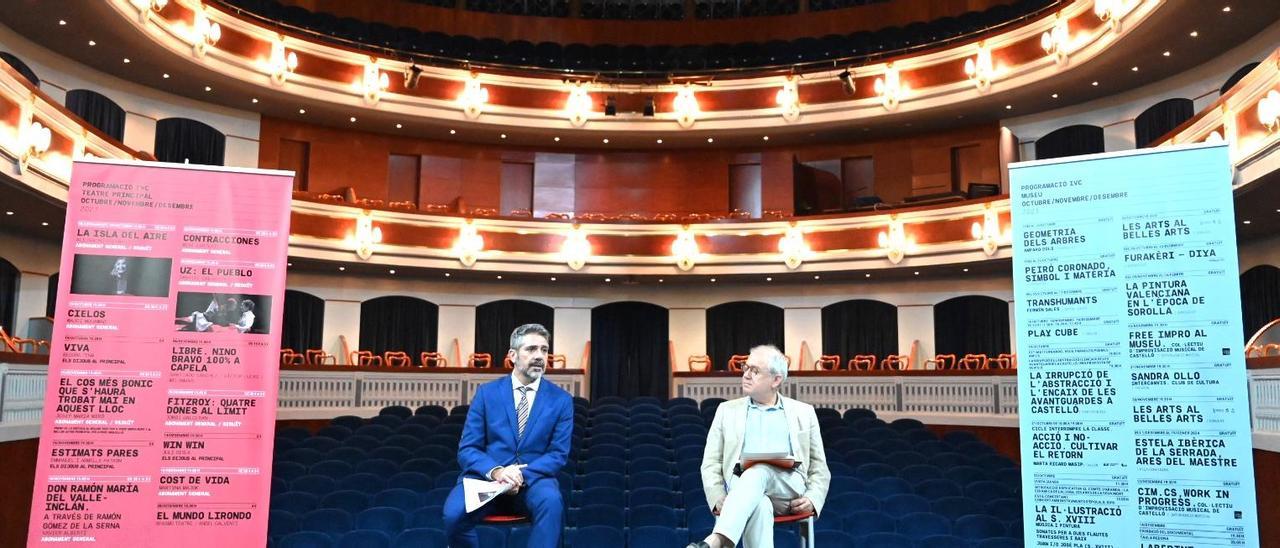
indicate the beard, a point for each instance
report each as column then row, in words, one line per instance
column 535, row 369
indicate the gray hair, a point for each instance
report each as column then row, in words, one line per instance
column 528, row 329
column 772, row 358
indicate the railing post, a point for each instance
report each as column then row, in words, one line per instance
column 4, row 390
column 358, row 384
column 996, row 386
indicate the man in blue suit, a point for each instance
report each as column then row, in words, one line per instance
column 518, row 432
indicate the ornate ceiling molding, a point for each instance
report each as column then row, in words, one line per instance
column 930, row 79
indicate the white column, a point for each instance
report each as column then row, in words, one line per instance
column 341, row 318
column 799, row 326
column 1119, row 136
column 457, row 322
column 1013, row 329
column 688, row 332
column 33, row 290
column 572, row 332
column 915, row 323
column 140, row 132
column 241, row 152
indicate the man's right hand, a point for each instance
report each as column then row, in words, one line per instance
column 716, row 509
column 510, row 474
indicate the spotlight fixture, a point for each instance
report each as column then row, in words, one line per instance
column 788, row 99
column 891, row 88
column 35, row 141
column 372, row 82
column 280, row 64
column 686, row 106
column 473, row 97
column 610, row 106
column 1269, row 111
column 578, row 104
column 846, row 82
column 411, row 76
column 650, row 108
column 206, row 33
column 980, row 68
column 1056, row 40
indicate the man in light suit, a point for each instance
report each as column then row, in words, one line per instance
column 518, row 431
column 761, row 422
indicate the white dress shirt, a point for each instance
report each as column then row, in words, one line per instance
column 515, row 390
column 767, row 429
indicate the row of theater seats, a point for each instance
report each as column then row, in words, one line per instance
column 541, row 8
column 633, row 479
column 642, row 60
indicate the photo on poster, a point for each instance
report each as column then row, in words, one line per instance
column 223, row 313
column 120, row 275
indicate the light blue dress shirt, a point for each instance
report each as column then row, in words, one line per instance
column 767, row 429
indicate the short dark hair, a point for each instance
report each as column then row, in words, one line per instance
column 527, row 329
column 248, row 304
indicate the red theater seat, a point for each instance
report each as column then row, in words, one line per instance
column 397, row 359
column 434, row 359
column 827, row 362
column 973, row 361
column 289, row 357
column 862, row 362
column 895, row 362
column 366, row 358
column 320, row 357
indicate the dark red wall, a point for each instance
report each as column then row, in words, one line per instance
column 593, row 181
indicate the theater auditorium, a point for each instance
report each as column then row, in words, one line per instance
column 597, row 252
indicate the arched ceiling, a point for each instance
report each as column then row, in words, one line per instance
column 530, row 111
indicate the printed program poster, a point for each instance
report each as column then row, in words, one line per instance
column 1133, row 402
column 160, row 412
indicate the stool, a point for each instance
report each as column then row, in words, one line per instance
column 805, row 520
column 806, row 525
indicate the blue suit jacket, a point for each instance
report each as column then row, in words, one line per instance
column 489, row 436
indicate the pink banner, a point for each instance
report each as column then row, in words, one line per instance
column 161, row 404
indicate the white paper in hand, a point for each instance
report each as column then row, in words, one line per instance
column 478, row 492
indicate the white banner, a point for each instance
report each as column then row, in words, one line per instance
column 1134, row 409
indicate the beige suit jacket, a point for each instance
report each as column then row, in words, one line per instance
column 724, row 449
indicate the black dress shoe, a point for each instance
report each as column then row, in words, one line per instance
column 699, row 544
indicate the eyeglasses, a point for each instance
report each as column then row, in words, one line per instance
column 752, row 371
